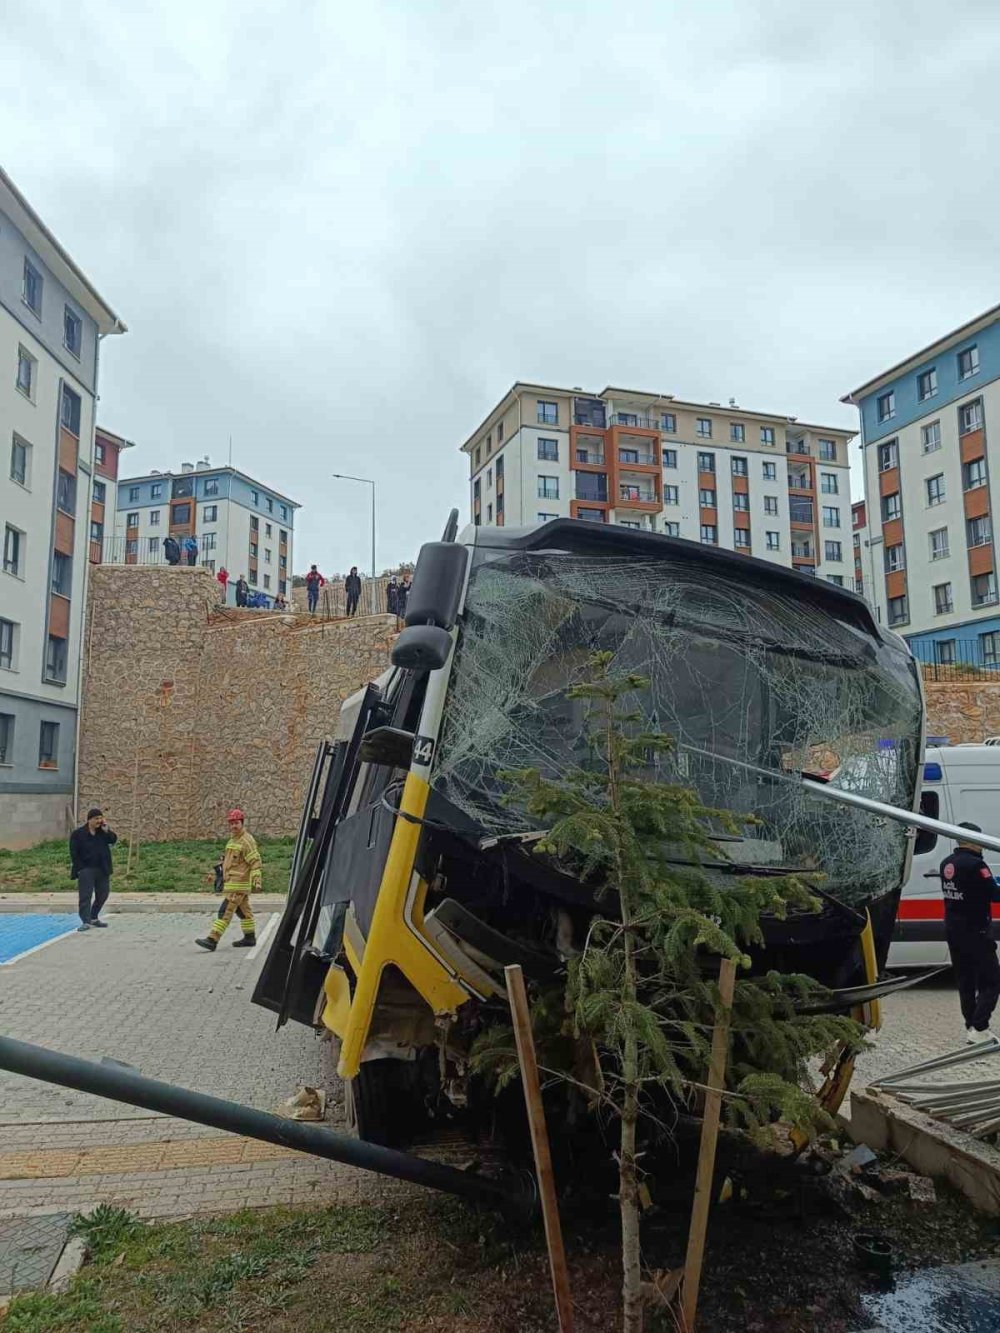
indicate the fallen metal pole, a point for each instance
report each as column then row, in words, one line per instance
column 912, row 818
column 122, row 1084
column 982, row 1048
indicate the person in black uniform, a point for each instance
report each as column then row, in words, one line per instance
column 968, row 888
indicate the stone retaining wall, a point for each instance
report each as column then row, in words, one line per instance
column 963, row 712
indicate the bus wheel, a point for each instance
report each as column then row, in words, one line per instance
column 383, row 1103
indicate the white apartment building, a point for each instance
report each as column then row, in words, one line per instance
column 239, row 524
column 767, row 485
column 52, row 321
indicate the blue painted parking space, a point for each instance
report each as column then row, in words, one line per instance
column 25, row 933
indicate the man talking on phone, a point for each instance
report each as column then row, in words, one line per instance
column 90, row 865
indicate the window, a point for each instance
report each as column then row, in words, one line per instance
column 899, row 611
column 253, row 550
column 831, row 516
column 548, row 451
column 62, row 573
column 13, row 551
column 706, row 497
column 671, row 529
column 670, row 458
column 7, row 645
column 478, row 456
column 156, row 490
column 767, row 434
column 935, row 489
column 970, row 416
column 66, row 492
column 267, row 549
column 739, row 466
column 210, row 514
column 180, row 515
column 283, row 511
column 628, row 523
column 154, row 546
column 892, row 558
column 828, row 451
column 944, row 655
column 26, row 372
column 888, row 455
column 737, row 432
column 628, row 455
column 211, row 486
column 489, row 478
column 927, row 385
column 709, row 534
column 31, row 287
column 886, row 406
column 668, row 422
column 990, row 645
column 930, row 437
column 19, row 452
column 96, row 531
column 890, row 507
column 627, row 418
column 282, row 587
column 828, row 483
column 489, row 444
column 72, row 331
column 55, row 660
column 771, row 505
column 703, row 426
column 741, row 503
column 100, row 453
column 706, row 462
column 69, row 410
column 974, row 474
column 6, row 738
column 770, row 471
column 255, row 521
column 741, row 539
column 270, row 504
column 984, row 589
column 267, row 580
column 939, row 543
column 979, row 531
column 943, row 603
column 208, row 541
column 133, row 494
column 282, row 535
column 671, row 495
column 548, row 415
column 255, row 497
column 252, row 578
column 489, row 513
column 968, row 362
column 833, row 551
column 591, row 486
column 773, row 541
column 591, row 515
column 836, row 579
column 48, row 745
column 547, row 518
column 282, row 561
column 548, row 488
column 154, row 518
column 131, row 548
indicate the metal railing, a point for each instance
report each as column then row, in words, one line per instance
column 800, row 483
column 800, row 511
column 640, row 460
column 142, row 551
column 959, row 660
column 627, row 419
column 592, row 457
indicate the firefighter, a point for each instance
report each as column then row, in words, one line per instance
column 968, row 888
column 241, row 874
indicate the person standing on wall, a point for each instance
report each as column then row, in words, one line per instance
column 968, row 889
column 242, row 589
column 352, row 588
column 223, row 579
column 171, row 551
column 314, row 581
column 392, row 596
column 241, row 876
column 90, row 865
column 402, row 596
column 191, row 549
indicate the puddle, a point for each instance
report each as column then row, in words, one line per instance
column 963, row 1298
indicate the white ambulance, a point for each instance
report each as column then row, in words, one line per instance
column 961, row 782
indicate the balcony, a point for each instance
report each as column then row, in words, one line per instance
column 798, row 447
column 800, row 511
column 632, row 419
column 800, row 483
column 591, row 488
column 637, row 458
column 590, row 457
column 629, row 494
column 802, row 552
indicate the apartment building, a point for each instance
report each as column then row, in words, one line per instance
column 108, row 448
column 239, row 523
column 928, row 461
column 766, row 485
column 52, row 322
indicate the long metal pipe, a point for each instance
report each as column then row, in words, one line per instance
column 122, row 1084
column 911, row 818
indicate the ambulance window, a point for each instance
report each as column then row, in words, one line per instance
column 930, row 805
column 979, row 805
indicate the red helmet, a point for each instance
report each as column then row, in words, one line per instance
column 236, row 816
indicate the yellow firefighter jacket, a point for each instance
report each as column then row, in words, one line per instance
column 241, row 864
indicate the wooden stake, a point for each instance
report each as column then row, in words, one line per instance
column 540, row 1144
column 709, row 1140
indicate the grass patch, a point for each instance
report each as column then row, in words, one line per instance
column 161, row 867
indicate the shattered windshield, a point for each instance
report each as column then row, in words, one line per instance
column 756, row 682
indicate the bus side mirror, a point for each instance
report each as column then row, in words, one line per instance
column 422, row 648
column 438, row 580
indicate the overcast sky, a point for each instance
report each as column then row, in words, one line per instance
column 338, row 233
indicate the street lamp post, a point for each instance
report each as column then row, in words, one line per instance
column 367, row 481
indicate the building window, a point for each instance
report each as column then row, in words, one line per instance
column 706, row 462
column 31, row 287
column 48, row 745
column 592, row 515
column 670, row 458
column 899, row 611
column 13, row 551
column 968, row 362
column 208, row 541
column 19, row 454
column 892, row 558
column 703, row 426
column 943, row 603
column 741, row 539
column 591, row 486
column 282, row 587
column 210, row 514
column 131, row 547
column 831, row 516
column 627, row 419
column 629, row 523
column 72, row 331
column 770, row 471
column 96, row 531
column 252, row 577
column 737, row 432
column 133, row 494
column 970, row 416
column 548, row 488
column 668, row 422
column 990, row 645
column 7, row 645
column 984, row 589
column 100, row 453
column 489, row 444
column 706, row 498
column 979, row 531
column 282, row 561
column 939, row 544
column 741, row 503
column 55, row 660
column 69, row 411
column 211, row 486
column 628, row 455
column 267, row 580
column 255, row 497
column 767, row 434
column 888, row 455
column 180, row 515
column 974, row 474
column 26, row 372
column 547, row 518
column 709, row 534
column 828, row 451
column 773, row 541
column 156, row 490
column 255, row 521
column 66, row 492
column 886, row 405
column 548, row 415
column 62, row 573
column 833, row 551
column 927, row 385
column 935, row 489
column 890, row 507
column 253, row 550
column 267, row 549
column 6, row 738
column 489, row 513
column 944, row 652
column 828, row 483
column 930, row 437
column 739, row 466
column 548, row 451
column 154, row 546
column 283, row 511
column 478, row 456
column 671, row 495
column 771, row 505
column 269, row 503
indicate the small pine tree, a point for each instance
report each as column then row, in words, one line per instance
column 639, row 990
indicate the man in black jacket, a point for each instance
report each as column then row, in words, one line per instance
column 968, row 889
column 90, row 865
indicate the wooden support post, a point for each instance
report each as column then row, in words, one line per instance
column 540, row 1144
column 709, row 1139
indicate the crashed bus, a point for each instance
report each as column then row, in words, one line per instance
column 414, row 880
